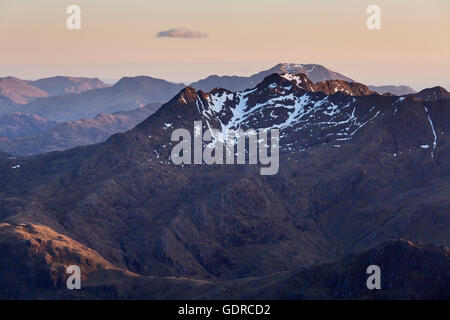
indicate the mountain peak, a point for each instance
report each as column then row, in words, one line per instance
column 438, row 90
column 315, row 72
column 143, row 81
column 19, row 91
column 284, row 80
column 432, row 94
column 59, row 85
column 302, row 81
column 350, row 88
column 392, row 90
column 187, row 95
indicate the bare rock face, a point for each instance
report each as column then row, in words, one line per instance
column 356, row 170
column 350, row 88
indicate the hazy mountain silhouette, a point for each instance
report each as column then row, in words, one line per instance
column 25, row 134
column 127, row 94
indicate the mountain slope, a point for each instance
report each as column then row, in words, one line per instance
column 16, row 125
column 354, row 172
column 15, row 92
column 8, row 106
column 408, row 271
column 23, row 91
column 127, row 94
column 54, row 136
column 432, row 94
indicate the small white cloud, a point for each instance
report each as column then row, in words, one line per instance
column 181, row 33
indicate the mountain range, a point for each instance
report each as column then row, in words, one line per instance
column 17, row 125
column 397, row 90
column 22, row 134
column 315, row 72
column 357, row 169
column 30, row 107
column 127, row 94
column 16, row 92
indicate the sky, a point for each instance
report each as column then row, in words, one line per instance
column 186, row 40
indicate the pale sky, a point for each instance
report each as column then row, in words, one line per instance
column 238, row 37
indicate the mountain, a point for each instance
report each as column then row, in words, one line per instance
column 35, row 135
column 315, row 72
column 127, row 94
column 432, row 94
column 408, row 271
column 350, row 88
column 355, row 171
column 61, row 85
column 396, row 90
column 23, row 91
column 16, row 125
column 15, row 92
column 8, row 106
column 19, row 91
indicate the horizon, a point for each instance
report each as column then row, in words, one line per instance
column 112, row 82
column 176, row 42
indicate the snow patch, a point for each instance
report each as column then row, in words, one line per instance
column 434, row 132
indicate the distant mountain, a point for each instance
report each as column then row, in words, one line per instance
column 19, row 91
column 16, row 125
column 8, row 106
column 315, row 72
column 432, row 94
column 127, row 94
column 35, row 135
column 396, row 90
column 15, row 92
column 61, row 85
column 110, row 81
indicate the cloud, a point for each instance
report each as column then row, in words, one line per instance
column 181, row 33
